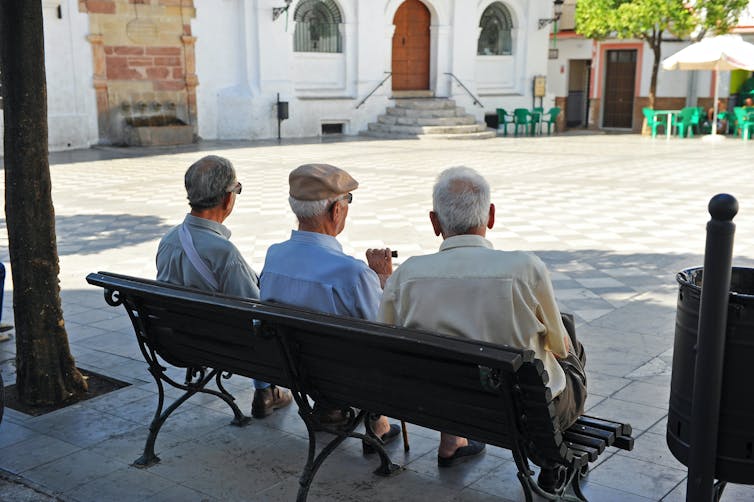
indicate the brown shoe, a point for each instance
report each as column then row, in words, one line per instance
column 268, row 400
column 333, row 417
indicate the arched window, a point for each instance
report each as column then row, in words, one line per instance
column 317, row 27
column 495, row 37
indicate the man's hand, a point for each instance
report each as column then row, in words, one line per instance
column 381, row 261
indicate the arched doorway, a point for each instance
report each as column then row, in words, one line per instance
column 411, row 47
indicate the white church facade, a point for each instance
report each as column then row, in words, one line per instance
column 220, row 66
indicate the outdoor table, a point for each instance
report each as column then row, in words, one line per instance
column 669, row 114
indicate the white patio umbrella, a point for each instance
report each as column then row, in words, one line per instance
column 723, row 52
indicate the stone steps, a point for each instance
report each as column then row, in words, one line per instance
column 426, row 121
column 427, row 113
column 489, row 133
column 421, row 118
column 426, row 104
column 437, row 129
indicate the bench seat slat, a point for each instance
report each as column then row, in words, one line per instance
column 624, row 443
column 585, row 440
column 607, row 436
column 618, row 428
column 592, row 453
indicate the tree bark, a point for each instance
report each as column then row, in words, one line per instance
column 45, row 370
column 655, row 44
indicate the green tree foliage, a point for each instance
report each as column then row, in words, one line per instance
column 653, row 21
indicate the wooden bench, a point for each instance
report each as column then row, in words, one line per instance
column 491, row 393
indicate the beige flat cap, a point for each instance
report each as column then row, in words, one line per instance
column 320, row 182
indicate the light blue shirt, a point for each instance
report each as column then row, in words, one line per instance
column 310, row 270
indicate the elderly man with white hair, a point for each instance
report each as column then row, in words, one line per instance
column 198, row 253
column 311, row 270
column 470, row 290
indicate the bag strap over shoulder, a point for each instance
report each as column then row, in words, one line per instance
column 188, row 247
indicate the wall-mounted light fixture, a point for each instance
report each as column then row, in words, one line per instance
column 557, row 10
column 278, row 11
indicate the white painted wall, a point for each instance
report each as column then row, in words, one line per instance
column 244, row 59
column 71, row 104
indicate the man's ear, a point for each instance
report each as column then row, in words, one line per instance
column 227, row 200
column 491, row 221
column 435, row 222
column 334, row 211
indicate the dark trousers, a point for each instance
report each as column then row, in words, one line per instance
column 569, row 404
column 2, row 288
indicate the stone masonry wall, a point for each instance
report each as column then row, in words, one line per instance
column 144, row 64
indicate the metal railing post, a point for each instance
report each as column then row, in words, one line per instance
column 476, row 100
column 710, row 348
column 389, row 74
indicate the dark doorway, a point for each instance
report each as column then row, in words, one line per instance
column 577, row 105
column 620, row 81
column 411, row 47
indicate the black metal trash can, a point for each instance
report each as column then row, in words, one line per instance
column 735, row 446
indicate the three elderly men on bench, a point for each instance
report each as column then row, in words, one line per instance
column 467, row 289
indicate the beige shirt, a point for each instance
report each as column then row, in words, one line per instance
column 471, row 290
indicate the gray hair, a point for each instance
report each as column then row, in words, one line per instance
column 461, row 199
column 208, row 180
column 306, row 209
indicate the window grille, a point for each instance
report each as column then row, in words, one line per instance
column 317, row 27
column 495, row 37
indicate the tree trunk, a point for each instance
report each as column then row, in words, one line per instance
column 655, row 45
column 45, row 370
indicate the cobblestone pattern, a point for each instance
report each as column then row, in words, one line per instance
column 613, row 216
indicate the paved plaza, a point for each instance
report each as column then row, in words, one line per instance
column 613, row 216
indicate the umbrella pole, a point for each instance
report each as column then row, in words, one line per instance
column 714, row 118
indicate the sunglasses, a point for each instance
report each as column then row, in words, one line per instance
column 236, row 189
column 347, row 197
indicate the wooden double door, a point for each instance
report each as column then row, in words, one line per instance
column 620, row 84
column 411, row 47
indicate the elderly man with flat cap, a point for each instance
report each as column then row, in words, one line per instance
column 198, row 253
column 311, row 270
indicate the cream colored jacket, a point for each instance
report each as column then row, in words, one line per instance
column 473, row 291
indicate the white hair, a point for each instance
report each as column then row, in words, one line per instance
column 306, row 209
column 461, row 199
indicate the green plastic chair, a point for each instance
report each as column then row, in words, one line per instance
column 552, row 117
column 744, row 122
column 730, row 121
column 503, row 119
column 686, row 120
column 521, row 117
column 652, row 120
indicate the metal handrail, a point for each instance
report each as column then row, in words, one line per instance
column 476, row 100
column 389, row 74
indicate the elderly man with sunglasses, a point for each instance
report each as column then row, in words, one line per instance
column 311, row 270
column 198, row 253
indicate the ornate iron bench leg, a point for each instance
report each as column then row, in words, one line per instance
column 239, row 419
column 576, row 482
column 148, row 458
column 717, row 490
column 387, row 468
column 314, row 461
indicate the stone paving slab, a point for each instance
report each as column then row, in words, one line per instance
column 614, row 217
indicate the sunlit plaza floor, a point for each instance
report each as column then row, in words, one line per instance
column 615, row 217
